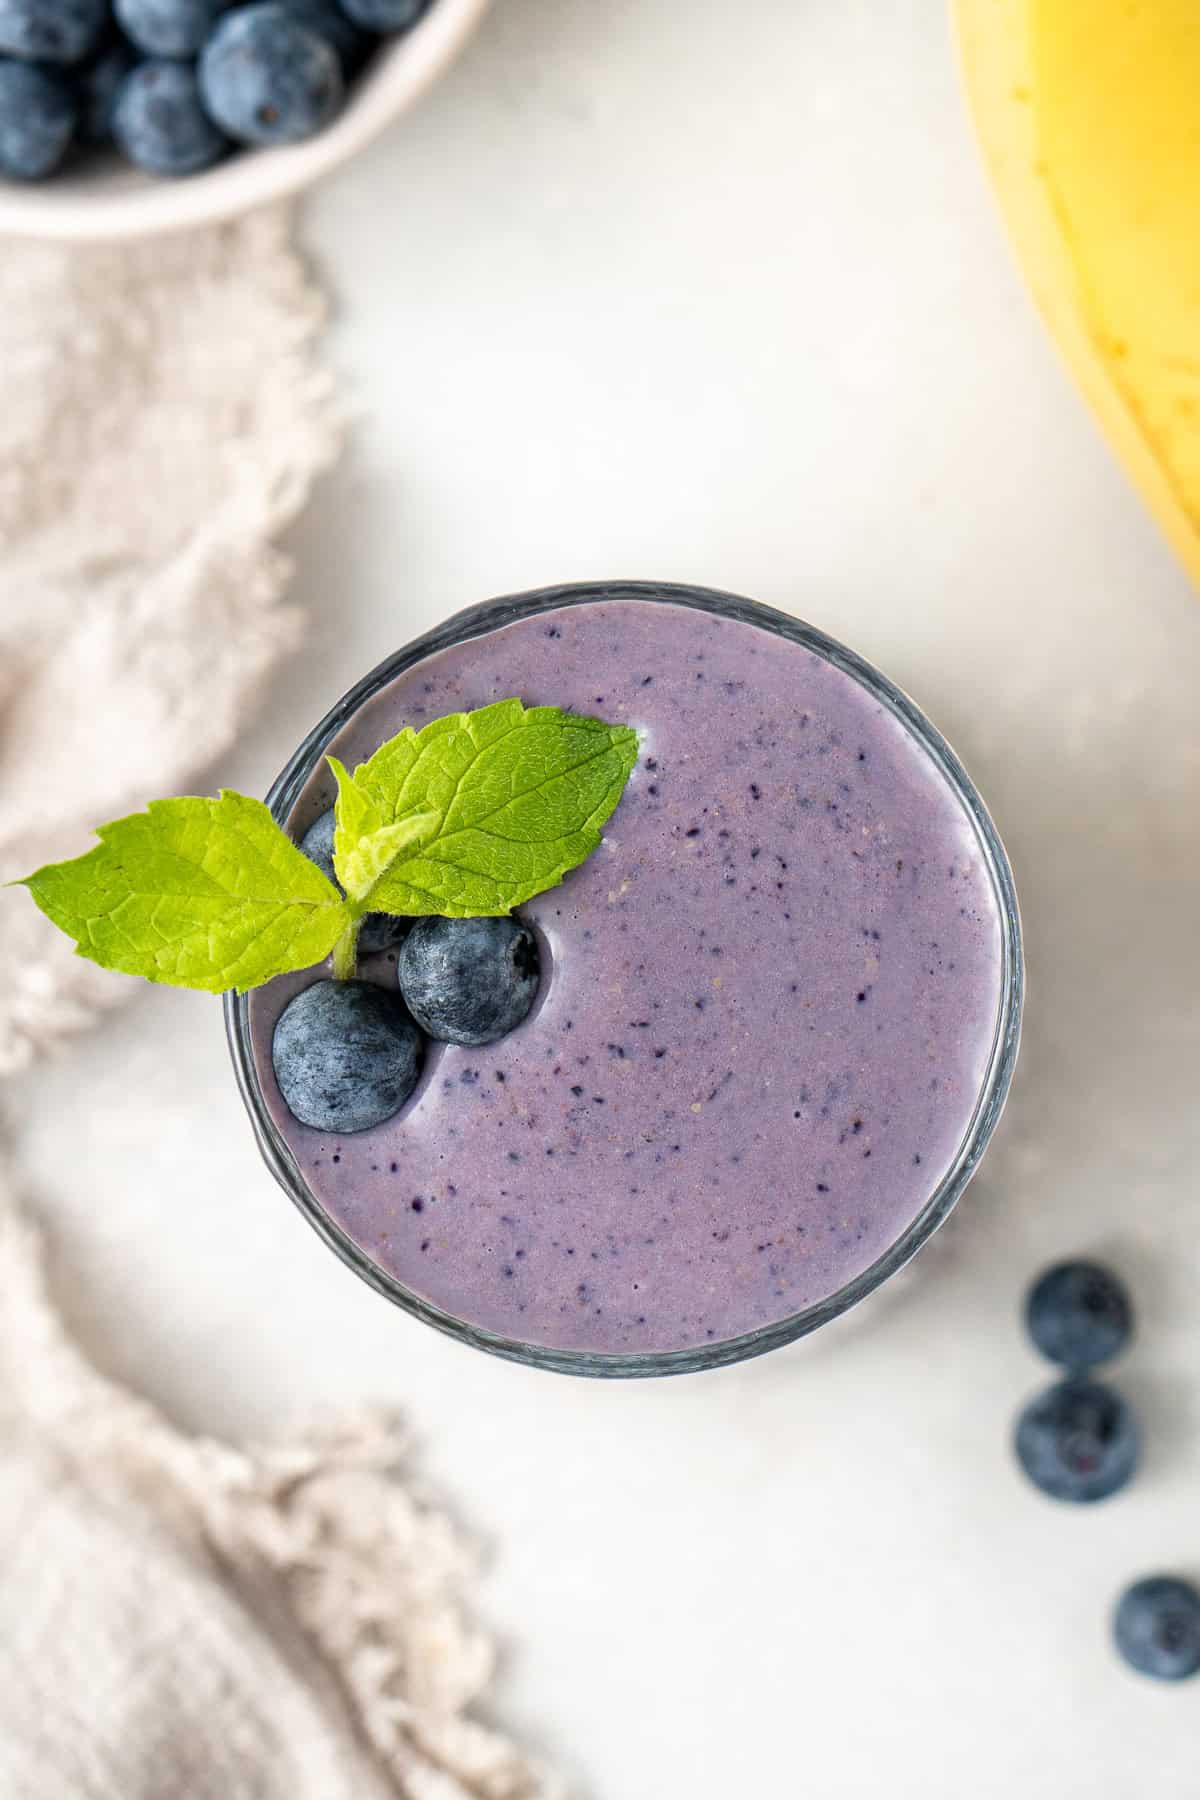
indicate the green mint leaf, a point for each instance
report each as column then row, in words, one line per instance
column 197, row 893
column 355, row 817
column 363, row 847
column 470, row 816
column 360, row 868
column 503, row 802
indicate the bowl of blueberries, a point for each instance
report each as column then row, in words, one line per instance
column 120, row 118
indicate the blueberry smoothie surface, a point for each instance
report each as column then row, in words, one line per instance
column 769, row 1002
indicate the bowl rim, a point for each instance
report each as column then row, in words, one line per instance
column 141, row 206
column 479, row 621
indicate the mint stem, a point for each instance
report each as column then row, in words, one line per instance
column 345, row 952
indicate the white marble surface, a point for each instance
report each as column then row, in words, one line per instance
column 717, row 293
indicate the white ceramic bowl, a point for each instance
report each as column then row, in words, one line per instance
column 104, row 200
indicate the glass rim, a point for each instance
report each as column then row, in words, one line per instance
column 480, row 621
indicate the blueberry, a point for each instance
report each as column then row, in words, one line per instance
column 328, row 21
column 1077, row 1441
column 168, row 27
column 387, row 17
column 159, row 123
column 1078, row 1314
column 37, row 120
column 346, row 1055
column 97, row 87
column 267, row 79
column 52, row 31
column 378, row 931
column 1157, row 1627
column 468, row 981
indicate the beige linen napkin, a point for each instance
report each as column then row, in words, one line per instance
column 164, row 416
column 183, row 1621
column 179, row 1620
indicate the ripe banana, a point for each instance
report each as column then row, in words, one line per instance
column 1089, row 116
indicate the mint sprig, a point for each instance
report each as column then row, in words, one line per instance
column 515, row 797
column 471, row 816
column 196, row 893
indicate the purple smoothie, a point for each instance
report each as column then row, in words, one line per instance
column 768, row 1009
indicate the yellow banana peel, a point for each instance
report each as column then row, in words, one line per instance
column 1089, row 116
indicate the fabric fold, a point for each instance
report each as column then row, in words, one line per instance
column 165, row 414
column 186, row 1619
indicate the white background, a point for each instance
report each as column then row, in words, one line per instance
column 713, row 292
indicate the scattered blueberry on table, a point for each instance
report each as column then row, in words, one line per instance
column 175, row 85
column 1078, row 1314
column 1157, row 1627
column 346, row 1055
column 1078, row 1441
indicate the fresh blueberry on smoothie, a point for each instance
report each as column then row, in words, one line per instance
column 469, row 981
column 346, row 1055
